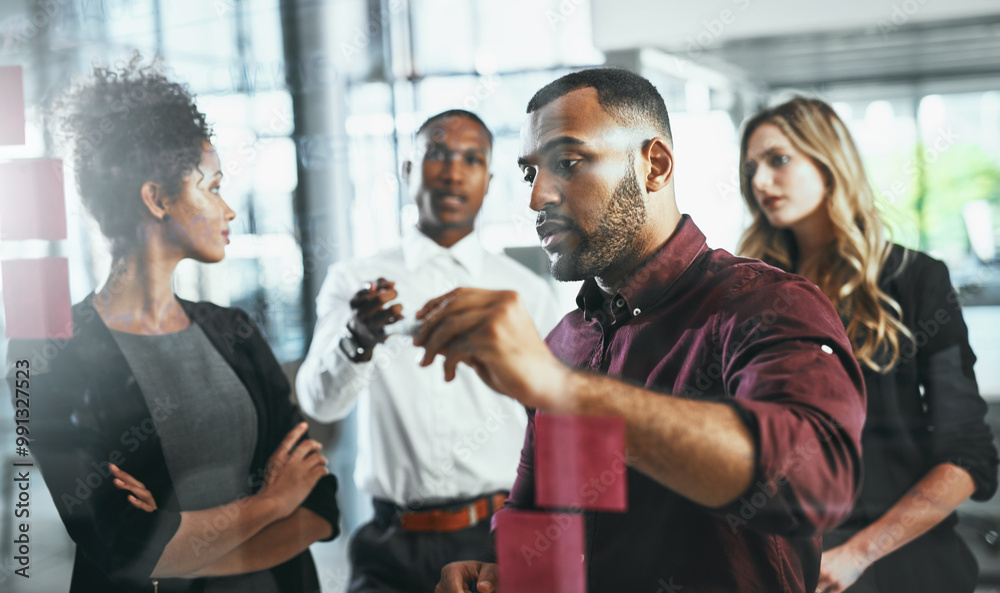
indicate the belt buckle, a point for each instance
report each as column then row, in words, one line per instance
column 473, row 519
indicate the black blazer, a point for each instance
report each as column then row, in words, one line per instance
column 926, row 411
column 87, row 410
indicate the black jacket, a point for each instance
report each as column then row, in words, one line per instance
column 926, row 411
column 87, row 410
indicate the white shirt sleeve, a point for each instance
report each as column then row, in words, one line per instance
column 328, row 383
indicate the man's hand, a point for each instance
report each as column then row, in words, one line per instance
column 468, row 577
column 370, row 315
column 292, row 471
column 139, row 496
column 839, row 568
column 491, row 331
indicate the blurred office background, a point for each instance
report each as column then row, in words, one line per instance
column 314, row 105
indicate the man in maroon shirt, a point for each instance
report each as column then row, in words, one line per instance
column 742, row 402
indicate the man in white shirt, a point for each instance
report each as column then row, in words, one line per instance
column 437, row 457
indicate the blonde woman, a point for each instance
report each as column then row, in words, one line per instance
column 926, row 446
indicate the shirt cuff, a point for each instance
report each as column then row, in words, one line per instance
column 323, row 501
column 763, row 507
column 138, row 549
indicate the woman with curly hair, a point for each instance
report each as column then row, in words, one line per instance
column 926, row 447
column 163, row 428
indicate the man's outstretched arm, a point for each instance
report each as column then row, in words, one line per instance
column 784, row 422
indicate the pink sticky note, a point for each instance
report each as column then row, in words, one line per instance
column 11, row 105
column 580, row 462
column 36, row 298
column 32, row 203
column 540, row 552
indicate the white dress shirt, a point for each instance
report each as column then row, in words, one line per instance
column 421, row 440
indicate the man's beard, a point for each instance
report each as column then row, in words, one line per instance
column 615, row 242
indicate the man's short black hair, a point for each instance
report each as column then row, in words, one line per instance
column 626, row 96
column 456, row 113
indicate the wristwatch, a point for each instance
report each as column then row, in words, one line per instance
column 350, row 347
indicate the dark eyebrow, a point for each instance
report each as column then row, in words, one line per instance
column 764, row 155
column 768, row 152
column 551, row 144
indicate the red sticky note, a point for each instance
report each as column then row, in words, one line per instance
column 36, row 298
column 32, row 203
column 11, row 105
column 580, row 462
column 540, row 552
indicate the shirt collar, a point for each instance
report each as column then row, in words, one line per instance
column 418, row 249
column 650, row 281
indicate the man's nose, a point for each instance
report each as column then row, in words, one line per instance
column 453, row 170
column 544, row 192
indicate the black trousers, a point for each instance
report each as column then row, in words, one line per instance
column 386, row 558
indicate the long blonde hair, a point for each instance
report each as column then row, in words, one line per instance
column 850, row 270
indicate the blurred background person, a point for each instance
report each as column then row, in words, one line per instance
column 926, row 447
column 437, row 457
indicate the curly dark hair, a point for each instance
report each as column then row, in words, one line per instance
column 128, row 126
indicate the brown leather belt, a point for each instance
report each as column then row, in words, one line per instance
column 442, row 521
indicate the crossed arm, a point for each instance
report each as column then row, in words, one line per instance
column 275, row 544
column 265, row 529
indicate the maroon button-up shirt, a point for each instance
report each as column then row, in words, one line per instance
column 701, row 323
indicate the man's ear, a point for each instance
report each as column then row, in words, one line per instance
column 153, row 198
column 405, row 170
column 660, row 157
